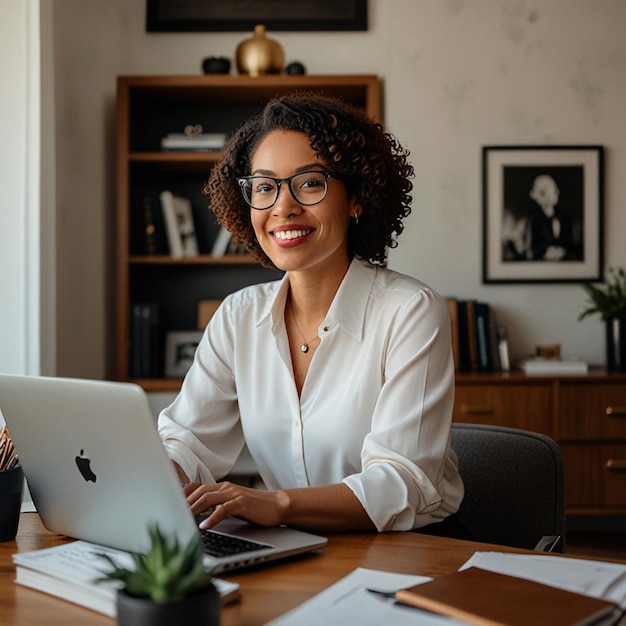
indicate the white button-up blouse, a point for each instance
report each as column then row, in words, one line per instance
column 374, row 411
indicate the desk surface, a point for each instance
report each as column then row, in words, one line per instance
column 266, row 592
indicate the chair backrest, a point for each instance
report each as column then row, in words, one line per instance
column 514, row 493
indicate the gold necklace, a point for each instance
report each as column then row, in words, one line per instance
column 305, row 345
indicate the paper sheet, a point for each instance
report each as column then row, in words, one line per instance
column 348, row 602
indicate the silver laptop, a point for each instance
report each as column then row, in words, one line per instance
column 97, row 471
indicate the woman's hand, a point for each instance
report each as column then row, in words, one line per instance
column 226, row 499
column 329, row 508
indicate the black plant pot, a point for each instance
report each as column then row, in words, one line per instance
column 200, row 609
column 616, row 344
column 11, row 483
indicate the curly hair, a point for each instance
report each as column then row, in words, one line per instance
column 350, row 143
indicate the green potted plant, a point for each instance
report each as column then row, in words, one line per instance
column 609, row 301
column 168, row 585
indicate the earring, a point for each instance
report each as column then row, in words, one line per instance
column 356, row 218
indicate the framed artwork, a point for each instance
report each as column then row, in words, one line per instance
column 180, row 348
column 542, row 214
column 244, row 15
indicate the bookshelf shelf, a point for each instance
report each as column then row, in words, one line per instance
column 202, row 259
column 148, row 109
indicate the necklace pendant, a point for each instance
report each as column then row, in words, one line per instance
column 304, row 347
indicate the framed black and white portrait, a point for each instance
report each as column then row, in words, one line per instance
column 542, row 214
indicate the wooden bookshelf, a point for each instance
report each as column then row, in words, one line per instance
column 148, row 108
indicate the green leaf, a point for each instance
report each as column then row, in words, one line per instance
column 168, row 571
column 609, row 299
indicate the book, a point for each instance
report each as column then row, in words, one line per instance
column 179, row 224
column 145, row 359
column 69, row 572
column 222, row 242
column 472, row 341
column 538, row 366
column 465, row 364
column 453, row 309
column 486, row 598
column 195, row 142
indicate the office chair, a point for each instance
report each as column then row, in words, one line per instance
column 514, row 493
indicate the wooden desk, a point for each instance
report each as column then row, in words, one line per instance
column 266, row 592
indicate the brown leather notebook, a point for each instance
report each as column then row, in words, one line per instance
column 486, row 598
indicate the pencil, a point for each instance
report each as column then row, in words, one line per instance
column 8, row 454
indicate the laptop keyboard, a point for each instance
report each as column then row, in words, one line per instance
column 217, row 544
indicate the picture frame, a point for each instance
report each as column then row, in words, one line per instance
column 522, row 187
column 244, row 15
column 180, row 348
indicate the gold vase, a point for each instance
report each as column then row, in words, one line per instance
column 259, row 54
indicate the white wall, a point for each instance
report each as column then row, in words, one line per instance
column 19, row 188
column 458, row 74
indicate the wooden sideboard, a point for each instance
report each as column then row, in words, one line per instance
column 586, row 415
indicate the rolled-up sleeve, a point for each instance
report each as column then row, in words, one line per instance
column 409, row 474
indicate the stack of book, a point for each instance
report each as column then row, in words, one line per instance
column 193, row 142
column 474, row 340
column 145, row 340
column 70, row 571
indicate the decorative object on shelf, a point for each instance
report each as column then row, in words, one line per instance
column 11, row 486
column 169, row 585
column 503, row 349
column 542, row 213
column 609, row 301
column 259, row 54
column 181, row 232
column 206, row 310
column 552, row 351
column 216, row 65
column 193, row 139
column 295, row 68
column 180, row 348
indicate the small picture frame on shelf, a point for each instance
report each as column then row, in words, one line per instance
column 180, row 348
column 542, row 214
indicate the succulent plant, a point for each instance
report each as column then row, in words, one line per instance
column 608, row 300
column 168, row 572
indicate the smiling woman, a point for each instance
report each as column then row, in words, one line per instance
column 339, row 377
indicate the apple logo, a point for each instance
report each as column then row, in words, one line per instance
column 84, row 468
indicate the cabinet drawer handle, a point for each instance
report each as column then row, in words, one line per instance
column 476, row 409
column 616, row 411
column 616, row 465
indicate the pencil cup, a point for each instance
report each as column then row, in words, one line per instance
column 11, row 486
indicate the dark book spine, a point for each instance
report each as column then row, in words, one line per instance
column 465, row 364
column 145, row 341
column 135, row 348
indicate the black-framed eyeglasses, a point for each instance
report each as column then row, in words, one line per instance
column 307, row 188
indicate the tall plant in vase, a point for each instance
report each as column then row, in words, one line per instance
column 609, row 301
